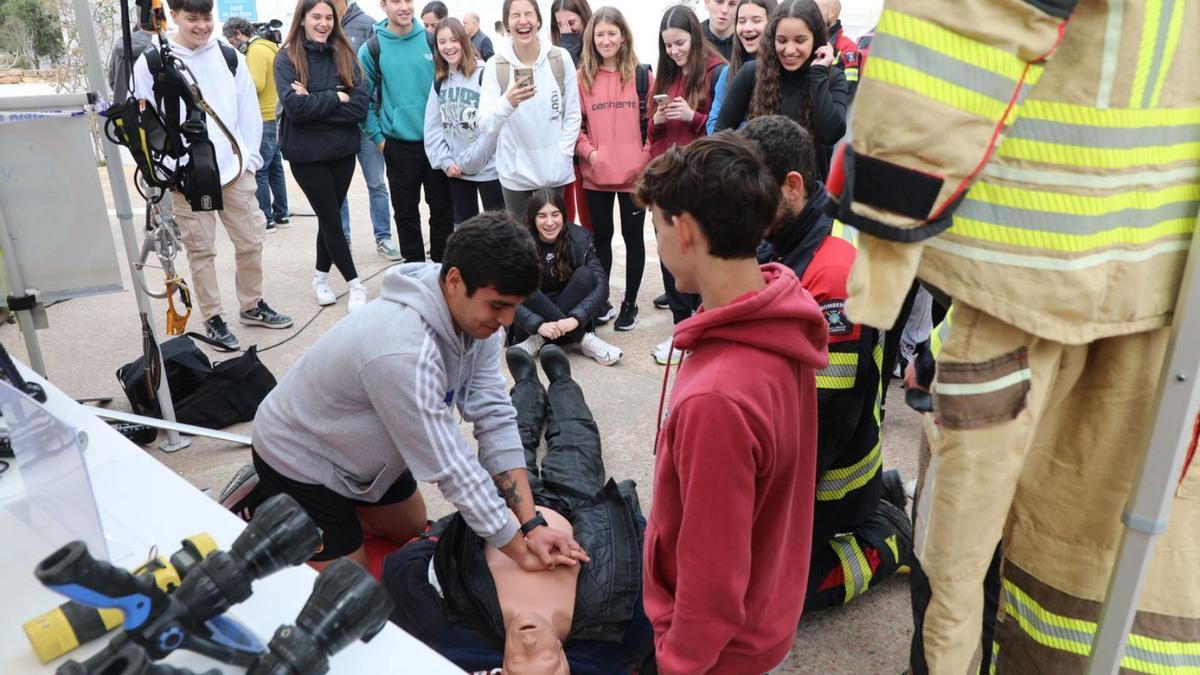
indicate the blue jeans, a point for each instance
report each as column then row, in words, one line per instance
column 270, row 177
column 371, row 161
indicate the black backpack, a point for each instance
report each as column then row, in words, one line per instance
column 642, row 82
column 154, row 59
column 373, row 48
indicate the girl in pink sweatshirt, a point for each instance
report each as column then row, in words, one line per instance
column 612, row 146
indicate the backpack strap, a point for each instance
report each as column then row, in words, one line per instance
column 556, row 67
column 503, row 71
column 642, row 82
column 373, row 48
column 230, row 55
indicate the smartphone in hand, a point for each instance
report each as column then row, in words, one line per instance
column 523, row 77
column 662, row 100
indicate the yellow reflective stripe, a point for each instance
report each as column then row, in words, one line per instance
column 1142, row 654
column 856, row 572
column 1048, row 201
column 1070, row 243
column 831, row 382
column 995, row 655
column 840, row 373
column 980, row 388
column 1039, row 262
column 1141, row 74
column 1097, row 158
column 954, row 45
column 844, row 233
column 1173, row 33
column 837, row 483
column 936, row 89
column 1073, row 113
column 891, row 542
column 940, row 335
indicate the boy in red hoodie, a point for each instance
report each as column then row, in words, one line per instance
column 729, row 534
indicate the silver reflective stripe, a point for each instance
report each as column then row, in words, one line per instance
column 952, row 70
column 1058, row 264
column 840, row 480
column 845, row 551
column 976, row 388
column 1103, row 137
column 1176, row 660
column 838, row 370
column 1156, row 63
column 1096, row 182
column 1048, row 629
column 1068, row 223
column 1111, row 52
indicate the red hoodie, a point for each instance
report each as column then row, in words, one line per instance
column 675, row 132
column 730, row 529
column 612, row 127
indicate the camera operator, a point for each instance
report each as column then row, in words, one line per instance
column 228, row 88
column 260, row 60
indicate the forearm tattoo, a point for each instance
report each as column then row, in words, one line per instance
column 508, row 489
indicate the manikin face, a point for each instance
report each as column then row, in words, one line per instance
column 318, row 23
column 720, row 15
column 195, row 28
column 523, row 22
column 568, row 21
column 751, row 24
column 471, row 23
column 479, row 315
column 531, row 647
column 549, row 223
column 449, row 48
column 608, row 39
column 430, row 21
column 679, row 45
column 793, row 44
column 399, row 12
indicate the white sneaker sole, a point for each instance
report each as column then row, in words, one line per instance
column 630, row 326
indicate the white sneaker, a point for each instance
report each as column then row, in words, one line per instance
column 358, row 297
column 662, row 352
column 323, row 293
column 593, row 347
column 532, row 344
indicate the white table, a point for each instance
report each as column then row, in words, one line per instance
column 143, row 503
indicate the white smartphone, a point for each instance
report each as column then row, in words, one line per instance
column 524, row 77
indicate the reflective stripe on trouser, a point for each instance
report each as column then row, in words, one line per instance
column 844, row 567
column 1048, row 630
column 840, row 372
column 1057, row 447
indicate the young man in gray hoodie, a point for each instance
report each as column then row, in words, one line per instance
column 369, row 409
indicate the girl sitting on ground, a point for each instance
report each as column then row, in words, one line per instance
column 574, row 286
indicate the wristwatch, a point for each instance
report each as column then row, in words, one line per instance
column 533, row 523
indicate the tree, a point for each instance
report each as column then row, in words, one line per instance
column 34, row 27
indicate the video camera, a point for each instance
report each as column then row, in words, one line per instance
column 269, row 30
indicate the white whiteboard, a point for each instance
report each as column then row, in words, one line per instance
column 54, row 209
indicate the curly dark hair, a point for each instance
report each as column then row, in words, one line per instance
column 766, row 98
column 493, row 250
column 562, row 249
column 720, row 181
column 784, row 146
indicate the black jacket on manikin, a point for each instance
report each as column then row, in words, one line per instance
column 826, row 88
column 724, row 46
column 318, row 127
column 358, row 26
column 849, row 462
column 582, row 253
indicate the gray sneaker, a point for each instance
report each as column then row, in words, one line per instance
column 264, row 316
column 216, row 329
column 384, row 248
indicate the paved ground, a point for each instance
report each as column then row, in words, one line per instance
column 90, row 338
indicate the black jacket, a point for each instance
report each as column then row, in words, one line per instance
column 724, row 46
column 827, row 88
column 357, row 25
column 582, row 253
column 318, row 127
column 847, row 411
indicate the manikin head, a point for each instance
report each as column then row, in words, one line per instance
column 489, row 267
column 532, row 648
column 470, row 21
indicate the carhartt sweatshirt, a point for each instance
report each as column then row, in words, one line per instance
column 730, row 530
column 376, row 395
column 407, row 73
column 612, row 127
column 452, row 133
column 232, row 97
column 536, row 140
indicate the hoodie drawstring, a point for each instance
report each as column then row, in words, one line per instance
column 662, row 395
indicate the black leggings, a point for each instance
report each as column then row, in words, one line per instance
column 555, row 306
column 466, row 206
column 633, row 221
column 325, row 185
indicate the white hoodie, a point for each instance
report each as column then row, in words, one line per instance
column 235, row 101
column 537, row 138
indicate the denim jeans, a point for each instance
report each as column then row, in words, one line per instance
column 371, row 161
column 272, row 188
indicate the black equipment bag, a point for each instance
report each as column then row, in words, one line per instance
column 212, row 395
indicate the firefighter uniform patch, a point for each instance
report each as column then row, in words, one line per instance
column 835, row 315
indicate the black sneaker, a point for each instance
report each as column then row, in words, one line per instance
column 628, row 317
column 661, row 302
column 893, row 489
column 239, row 495
column 217, row 330
column 900, row 525
column 607, row 315
column 265, row 316
column 284, row 220
column 271, row 229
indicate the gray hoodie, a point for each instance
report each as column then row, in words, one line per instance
column 376, row 395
